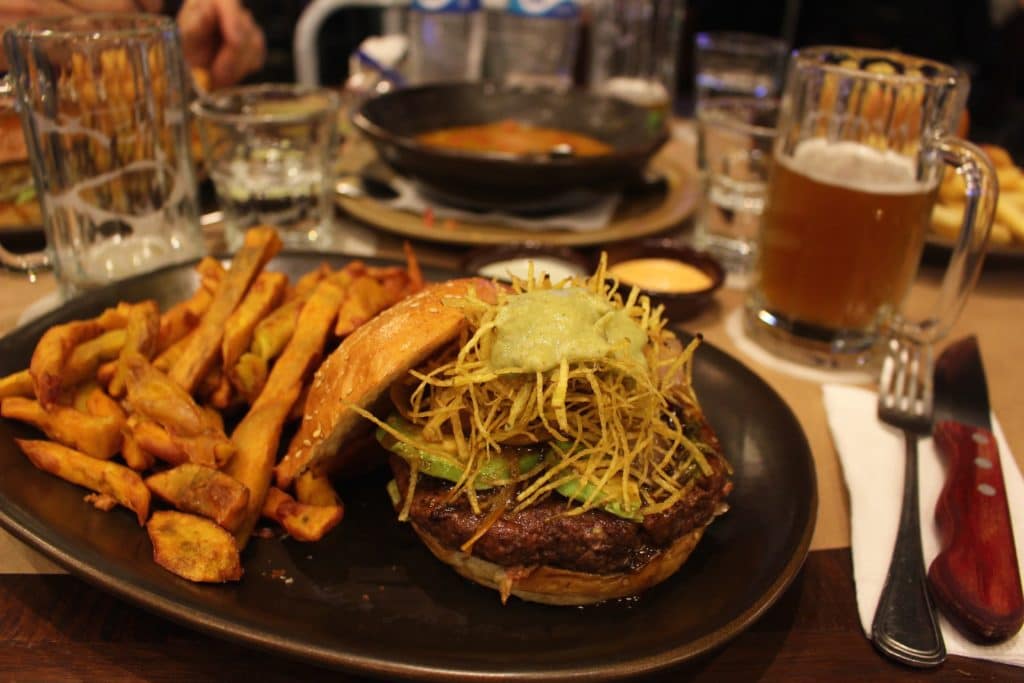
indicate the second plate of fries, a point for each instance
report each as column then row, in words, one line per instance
column 1007, row 237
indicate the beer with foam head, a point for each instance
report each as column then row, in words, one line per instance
column 842, row 233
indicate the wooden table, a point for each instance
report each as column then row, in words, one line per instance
column 58, row 628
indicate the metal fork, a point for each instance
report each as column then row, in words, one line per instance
column 904, row 627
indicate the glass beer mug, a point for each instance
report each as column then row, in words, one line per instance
column 102, row 100
column 863, row 140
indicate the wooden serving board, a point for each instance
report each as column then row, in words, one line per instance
column 636, row 216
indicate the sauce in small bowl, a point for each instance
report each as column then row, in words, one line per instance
column 682, row 279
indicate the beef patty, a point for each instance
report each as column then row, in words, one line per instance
column 595, row 541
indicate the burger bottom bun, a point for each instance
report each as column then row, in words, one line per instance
column 554, row 586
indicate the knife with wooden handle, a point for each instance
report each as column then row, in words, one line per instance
column 975, row 579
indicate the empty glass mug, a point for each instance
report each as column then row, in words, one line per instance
column 862, row 140
column 102, row 104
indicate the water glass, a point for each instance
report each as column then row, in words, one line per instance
column 102, row 100
column 735, row 150
column 862, row 143
column 634, row 50
column 732, row 64
column 270, row 150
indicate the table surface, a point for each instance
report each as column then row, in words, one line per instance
column 58, row 628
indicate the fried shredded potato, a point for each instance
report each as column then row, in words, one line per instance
column 193, row 547
column 107, row 478
column 302, row 522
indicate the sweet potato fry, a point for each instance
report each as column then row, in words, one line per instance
column 108, row 478
column 261, row 244
column 134, row 456
column 182, row 318
column 273, row 332
column 86, row 358
column 315, row 489
column 302, row 522
column 203, row 491
column 263, row 297
column 249, row 375
column 364, row 299
column 141, row 336
column 17, row 384
column 52, row 353
column 256, row 437
column 99, row 437
column 193, row 547
column 211, row 273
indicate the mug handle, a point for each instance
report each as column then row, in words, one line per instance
column 32, row 261
column 981, row 196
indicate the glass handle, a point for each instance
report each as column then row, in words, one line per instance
column 981, row 196
column 36, row 260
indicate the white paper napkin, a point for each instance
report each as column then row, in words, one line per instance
column 593, row 216
column 872, row 457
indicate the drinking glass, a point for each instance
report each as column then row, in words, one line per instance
column 730, row 64
column 862, row 140
column 735, row 150
column 270, row 150
column 102, row 101
column 633, row 52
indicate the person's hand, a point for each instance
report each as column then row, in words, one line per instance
column 221, row 37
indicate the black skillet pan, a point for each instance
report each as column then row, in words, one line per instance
column 393, row 120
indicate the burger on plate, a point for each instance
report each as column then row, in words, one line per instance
column 545, row 438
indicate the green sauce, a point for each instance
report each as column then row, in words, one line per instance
column 534, row 331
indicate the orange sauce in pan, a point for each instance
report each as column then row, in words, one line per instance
column 512, row 137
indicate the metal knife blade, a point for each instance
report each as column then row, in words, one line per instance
column 974, row 579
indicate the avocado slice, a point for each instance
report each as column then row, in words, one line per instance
column 494, row 471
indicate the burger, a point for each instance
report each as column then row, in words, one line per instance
column 544, row 438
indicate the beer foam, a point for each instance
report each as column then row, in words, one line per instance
column 856, row 166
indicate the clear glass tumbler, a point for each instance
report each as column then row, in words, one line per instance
column 735, row 151
column 634, row 48
column 103, row 105
column 270, row 150
column 730, row 64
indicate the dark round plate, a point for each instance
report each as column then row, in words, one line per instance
column 370, row 598
column 393, row 120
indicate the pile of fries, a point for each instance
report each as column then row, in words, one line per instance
column 133, row 402
column 1008, row 229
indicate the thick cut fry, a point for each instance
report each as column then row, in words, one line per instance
column 249, row 376
column 364, row 299
column 223, row 395
column 257, row 435
column 87, row 357
column 1012, row 216
column 261, row 244
column 51, row 355
column 192, row 431
column 140, row 339
column 169, row 356
column 302, row 522
column 273, row 332
column 194, row 548
column 211, row 273
column 315, row 489
column 108, row 478
column 98, row 403
column 182, row 318
column 99, row 437
column 134, row 456
column 263, row 297
column 17, row 384
column 305, row 285
column 203, row 491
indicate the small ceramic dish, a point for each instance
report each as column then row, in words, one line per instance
column 500, row 262
column 682, row 279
